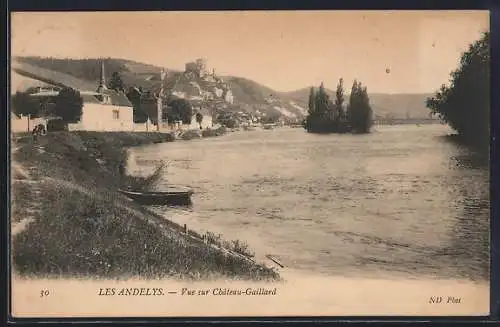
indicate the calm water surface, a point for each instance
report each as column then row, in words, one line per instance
column 402, row 200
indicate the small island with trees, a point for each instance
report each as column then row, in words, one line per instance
column 327, row 116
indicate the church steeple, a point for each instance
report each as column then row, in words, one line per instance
column 102, row 80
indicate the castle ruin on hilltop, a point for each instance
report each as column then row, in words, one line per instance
column 200, row 85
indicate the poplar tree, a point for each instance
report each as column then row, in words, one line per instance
column 360, row 112
column 312, row 102
column 339, row 105
column 322, row 102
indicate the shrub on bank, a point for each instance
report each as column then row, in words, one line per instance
column 143, row 183
column 214, row 132
column 191, row 134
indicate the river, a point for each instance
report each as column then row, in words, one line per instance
column 401, row 201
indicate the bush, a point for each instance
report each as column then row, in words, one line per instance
column 56, row 125
column 144, row 183
column 191, row 134
column 213, row 132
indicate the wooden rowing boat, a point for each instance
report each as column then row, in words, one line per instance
column 173, row 195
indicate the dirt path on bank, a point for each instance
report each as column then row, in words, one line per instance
column 24, row 175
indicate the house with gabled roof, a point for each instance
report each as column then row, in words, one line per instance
column 103, row 109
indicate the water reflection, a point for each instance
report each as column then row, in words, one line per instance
column 470, row 243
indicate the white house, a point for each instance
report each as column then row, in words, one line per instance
column 103, row 110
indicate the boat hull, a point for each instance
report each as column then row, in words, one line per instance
column 172, row 198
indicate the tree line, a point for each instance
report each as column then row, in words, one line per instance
column 327, row 116
column 465, row 103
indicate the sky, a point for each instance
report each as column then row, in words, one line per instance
column 388, row 51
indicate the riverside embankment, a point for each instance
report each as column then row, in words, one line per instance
column 69, row 220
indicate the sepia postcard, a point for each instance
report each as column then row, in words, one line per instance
column 250, row 163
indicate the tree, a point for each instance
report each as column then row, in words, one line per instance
column 134, row 95
column 199, row 118
column 319, row 110
column 116, row 82
column 360, row 113
column 366, row 121
column 327, row 116
column 24, row 104
column 69, row 105
column 324, row 121
column 312, row 101
column 182, row 109
column 321, row 101
column 311, row 112
column 339, row 102
column 352, row 113
column 465, row 103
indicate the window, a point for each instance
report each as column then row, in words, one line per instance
column 105, row 99
column 116, row 114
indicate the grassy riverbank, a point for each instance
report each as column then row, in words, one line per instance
column 79, row 225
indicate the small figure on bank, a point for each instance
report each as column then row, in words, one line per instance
column 121, row 169
column 41, row 129
column 35, row 134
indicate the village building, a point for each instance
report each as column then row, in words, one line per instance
column 103, row 109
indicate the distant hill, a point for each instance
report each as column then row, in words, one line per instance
column 254, row 96
column 26, row 71
column 248, row 95
column 88, row 70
